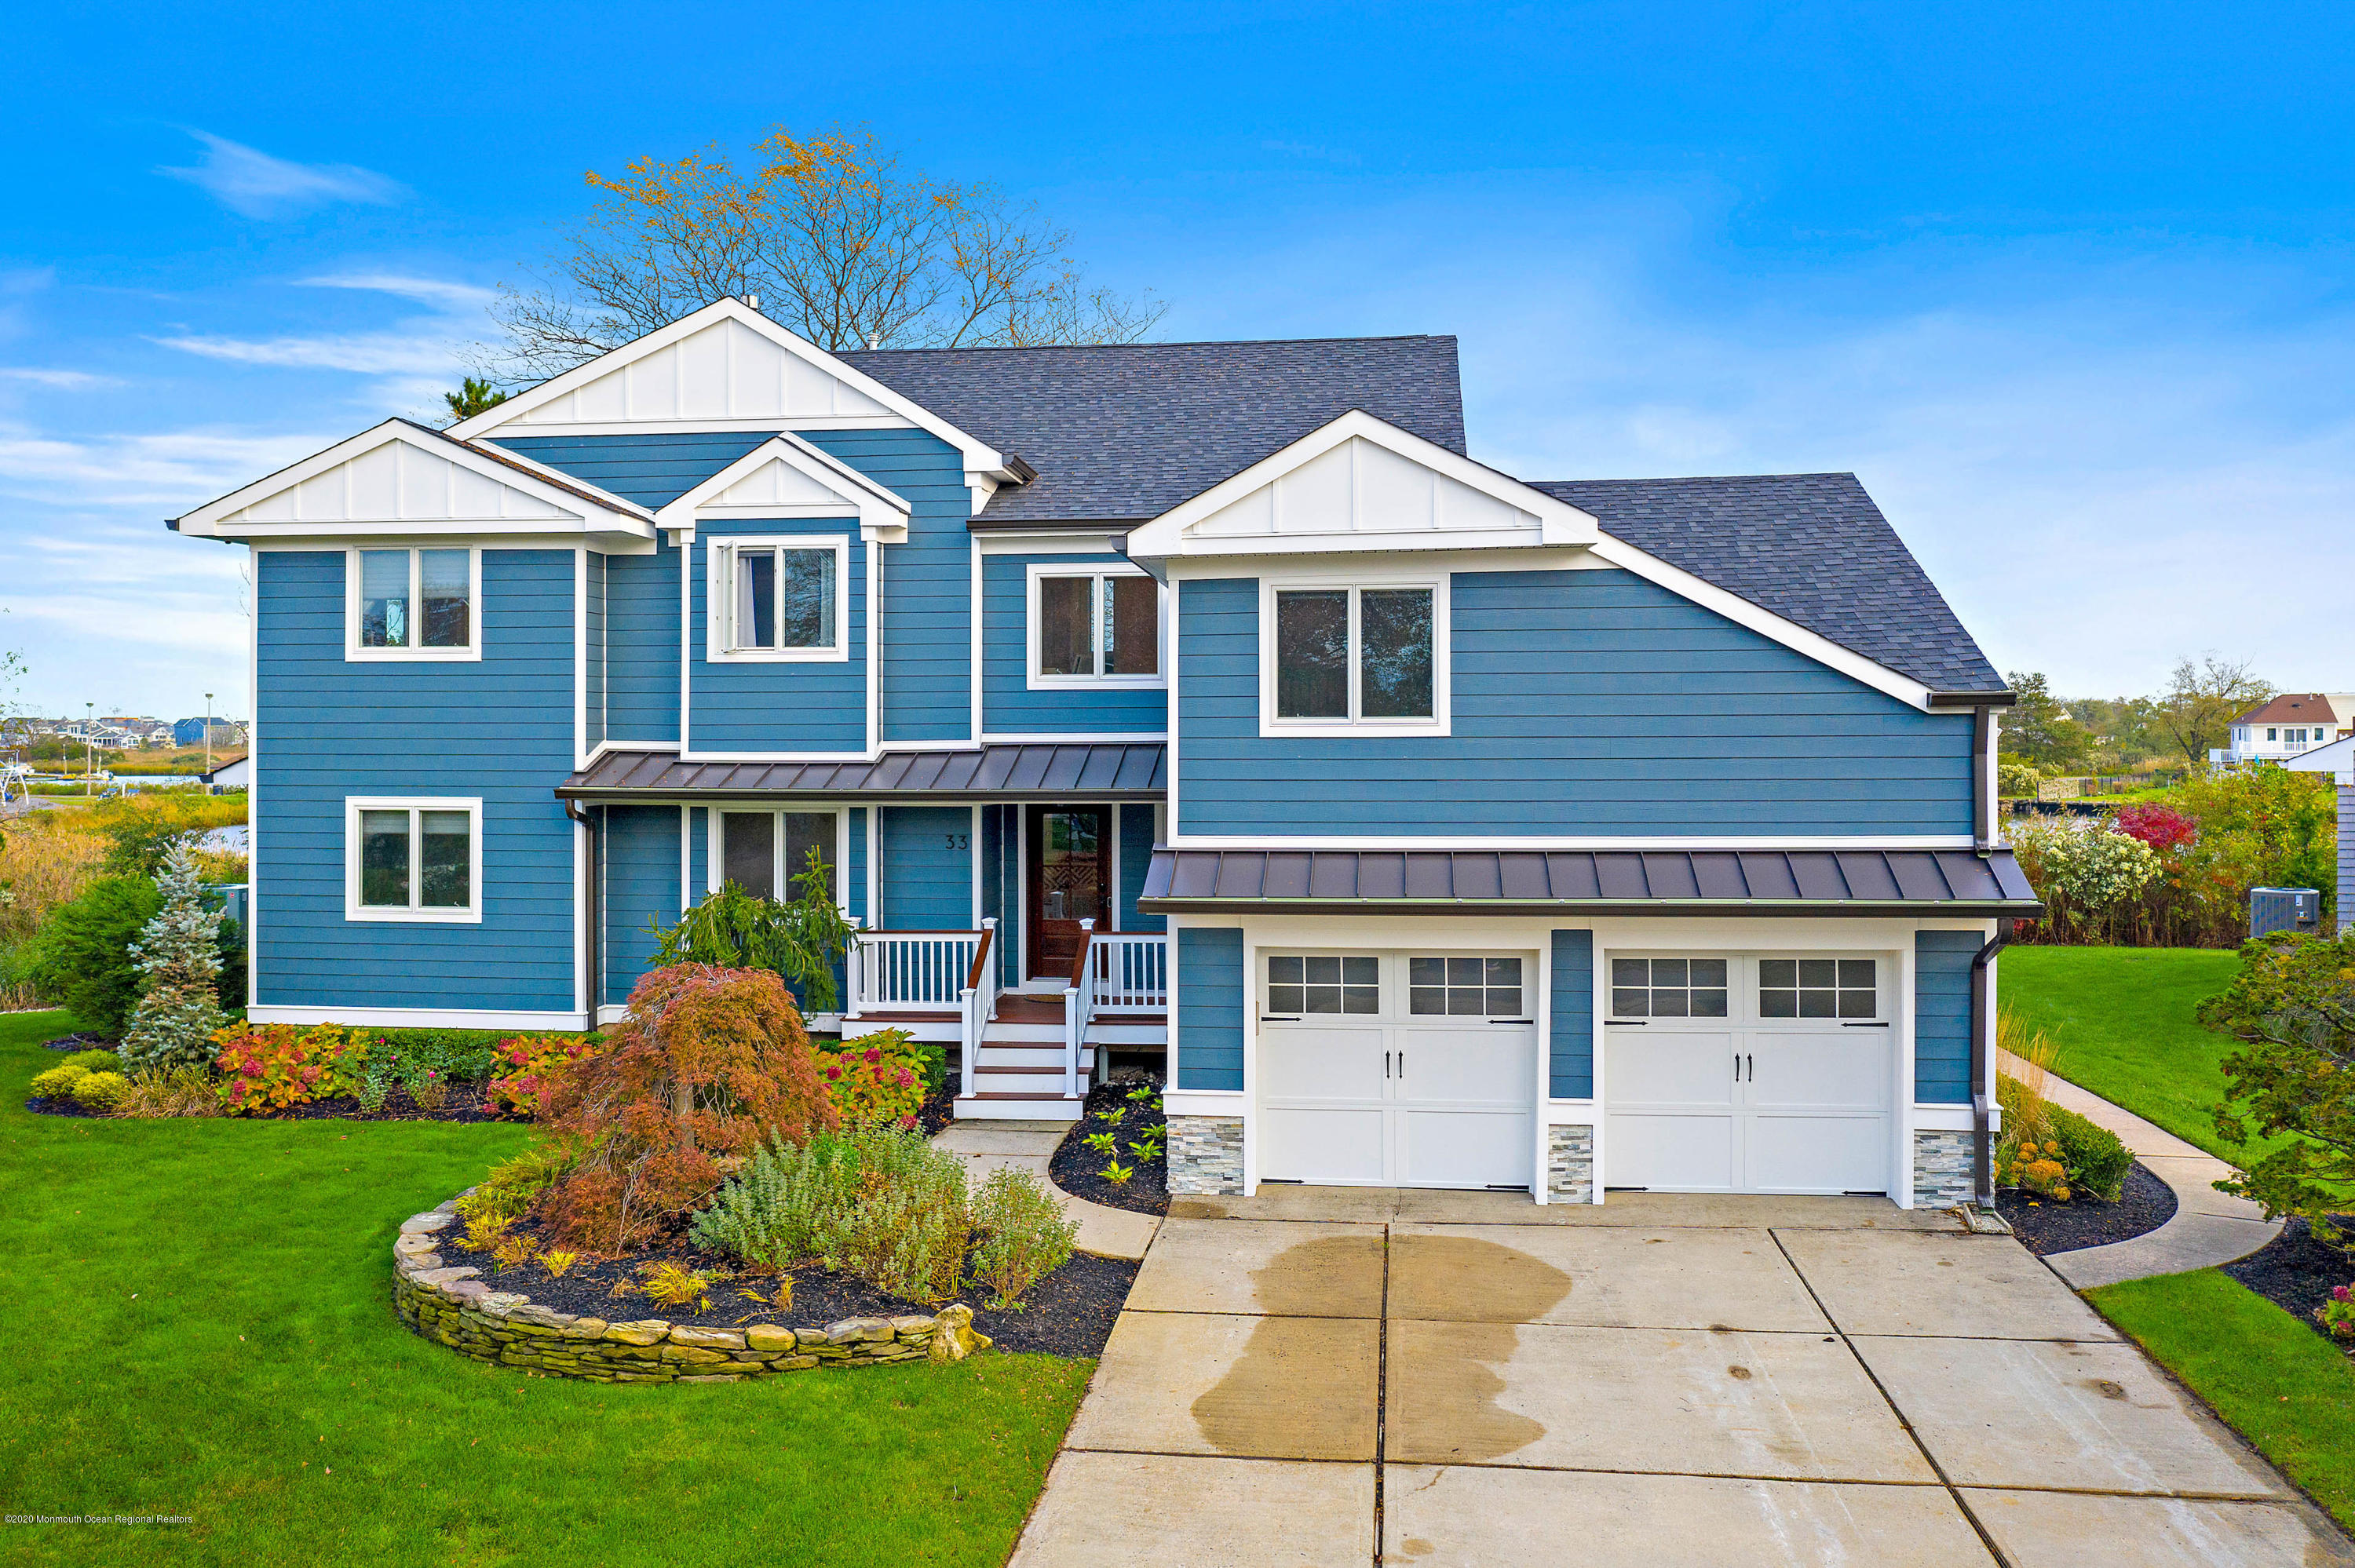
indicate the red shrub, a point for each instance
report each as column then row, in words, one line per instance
column 2163, row 828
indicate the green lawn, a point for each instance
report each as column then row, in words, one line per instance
column 2276, row 1380
column 198, row 1321
column 2124, row 1019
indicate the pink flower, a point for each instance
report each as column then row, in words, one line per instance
column 2344, row 1293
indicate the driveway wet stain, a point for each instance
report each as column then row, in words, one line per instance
column 1442, row 1370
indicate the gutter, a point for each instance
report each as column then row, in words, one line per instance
column 594, row 990
column 1982, row 1029
column 1926, row 909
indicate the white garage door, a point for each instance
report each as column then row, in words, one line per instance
column 1397, row 1069
column 1740, row 1073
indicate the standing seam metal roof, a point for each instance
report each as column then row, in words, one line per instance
column 1102, row 770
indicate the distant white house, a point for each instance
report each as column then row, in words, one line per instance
column 2289, row 726
column 234, row 775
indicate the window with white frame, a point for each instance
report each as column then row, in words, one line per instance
column 783, row 597
column 1359, row 655
column 1094, row 628
column 766, row 853
column 413, row 859
column 412, row 603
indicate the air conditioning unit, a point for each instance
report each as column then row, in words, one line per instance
column 2284, row 909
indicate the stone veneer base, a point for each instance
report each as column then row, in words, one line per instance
column 453, row 1306
column 1205, row 1155
column 1942, row 1170
column 1570, row 1165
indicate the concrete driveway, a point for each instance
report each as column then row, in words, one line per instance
column 1467, row 1378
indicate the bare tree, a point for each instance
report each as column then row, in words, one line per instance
column 840, row 242
column 2203, row 699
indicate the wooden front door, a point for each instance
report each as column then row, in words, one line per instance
column 1069, row 879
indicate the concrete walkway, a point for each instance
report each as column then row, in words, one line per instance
column 2209, row 1227
column 1027, row 1146
column 1320, row 1377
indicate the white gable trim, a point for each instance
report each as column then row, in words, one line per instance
column 399, row 477
column 985, row 465
column 1361, row 483
column 787, row 477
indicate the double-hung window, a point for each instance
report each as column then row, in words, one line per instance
column 1094, row 628
column 413, row 859
column 764, row 853
column 781, row 596
column 413, row 604
column 1355, row 656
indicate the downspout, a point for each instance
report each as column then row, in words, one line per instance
column 1982, row 1150
column 1983, row 780
column 594, row 989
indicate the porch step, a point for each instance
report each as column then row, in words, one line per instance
column 1024, row 1032
column 990, row 1078
column 998, row 1105
column 1020, row 1053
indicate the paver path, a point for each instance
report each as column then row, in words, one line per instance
column 2209, row 1228
column 1352, row 1377
column 1030, row 1145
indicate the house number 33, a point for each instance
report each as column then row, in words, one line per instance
column 959, row 840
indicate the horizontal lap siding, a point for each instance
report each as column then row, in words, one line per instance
column 927, row 581
column 1209, row 1009
column 641, row 646
column 1585, row 703
column 781, row 705
column 927, row 879
column 500, row 728
column 593, row 646
column 1571, row 1050
column 1135, row 858
column 653, row 469
column 640, row 854
column 1008, row 704
column 1942, row 1015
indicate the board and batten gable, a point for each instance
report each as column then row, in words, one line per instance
column 778, row 706
column 1585, row 704
column 1009, row 705
column 499, row 729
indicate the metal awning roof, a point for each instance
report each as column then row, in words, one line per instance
column 1104, row 772
column 1652, row 882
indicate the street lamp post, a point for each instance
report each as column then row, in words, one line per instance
column 208, row 735
column 89, row 751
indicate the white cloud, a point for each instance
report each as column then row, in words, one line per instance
column 174, row 469
column 63, row 380
column 255, row 184
column 452, row 297
column 369, row 354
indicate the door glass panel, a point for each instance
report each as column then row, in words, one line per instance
column 1064, row 627
column 384, row 600
column 748, row 846
column 1312, row 655
column 1860, row 991
column 445, row 861
column 1132, row 627
column 384, row 859
column 1466, row 988
column 1394, row 630
column 1668, row 988
column 1071, row 867
column 1324, row 983
column 804, row 832
column 805, row 595
column 756, row 599
column 446, row 584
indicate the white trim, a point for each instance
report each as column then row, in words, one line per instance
column 416, row 914
column 1080, row 737
column 973, row 843
column 253, row 778
column 686, row 858
column 1034, row 575
column 1443, row 663
column 753, row 425
column 972, row 656
column 1029, row 542
column 413, row 653
column 883, row 514
column 580, row 659
column 874, row 645
column 1448, row 841
column 720, row 553
column 422, row 1017
column 1206, row 1102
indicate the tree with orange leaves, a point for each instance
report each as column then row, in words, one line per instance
column 832, row 235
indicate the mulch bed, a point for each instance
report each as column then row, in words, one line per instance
column 1070, row 1313
column 79, row 1043
column 2297, row 1273
column 2043, row 1226
column 1079, row 1169
column 57, row 1105
column 465, row 1104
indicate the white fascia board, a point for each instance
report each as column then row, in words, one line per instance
column 1049, row 542
column 583, row 515
column 1165, row 536
column 980, row 459
column 1764, row 622
column 883, row 514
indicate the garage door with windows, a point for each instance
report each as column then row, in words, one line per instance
column 1397, row 1069
column 1748, row 1073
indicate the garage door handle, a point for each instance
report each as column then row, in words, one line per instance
column 1512, row 1020
column 1279, row 1018
column 1882, row 1024
column 1752, row 1062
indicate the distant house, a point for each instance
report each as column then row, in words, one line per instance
column 191, row 732
column 2335, row 757
column 234, row 774
column 2288, row 726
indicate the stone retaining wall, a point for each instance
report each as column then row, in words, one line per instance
column 453, row 1306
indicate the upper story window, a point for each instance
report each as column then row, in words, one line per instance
column 413, row 859
column 1364, row 656
column 782, row 597
column 413, row 604
column 1094, row 628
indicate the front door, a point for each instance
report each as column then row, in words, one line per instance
column 1069, row 880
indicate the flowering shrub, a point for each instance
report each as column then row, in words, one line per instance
column 528, row 1066
column 876, row 1080
column 2337, row 1314
column 272, row 1066
column 2163, row 828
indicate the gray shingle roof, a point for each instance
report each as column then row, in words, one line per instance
column 1812, row 547
column 1125, row 431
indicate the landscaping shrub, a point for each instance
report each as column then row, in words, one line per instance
column 2337, row 1314
column 459, row 1056
column 178, row 954
column 59, row 1080
column 707, row 1064
column 2017, row 780
column 94, row 1062
column 183, row 1091
column 878, row 1202
column 1023, row 1235
column 271, row 1066
column 801, row 938
column 877, row 1078
column 82, row 960
column 2292, row 1006
column 2095, row 1158
column 529, row 1065
column 100, row 1091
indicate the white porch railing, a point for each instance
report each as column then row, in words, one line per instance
column 911, row 971
column 1129, row 972
column 1078, row 1006
column 976, row 1002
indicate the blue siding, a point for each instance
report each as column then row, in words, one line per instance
column 927, row 879
column 778, row 706
column 1585, row 703
column 641, row 646
column 593, row 651
column 1570, row 1053
column 1942, row 1015
column 927, row 582
column 1209, row 1009
column 1135, row 857
column 1009, row 706
column 500, row 729
column 640, row 854
column 653, row 469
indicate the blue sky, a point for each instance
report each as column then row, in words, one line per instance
column 2068, row 291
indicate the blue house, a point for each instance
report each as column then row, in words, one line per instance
column 1205, row 700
